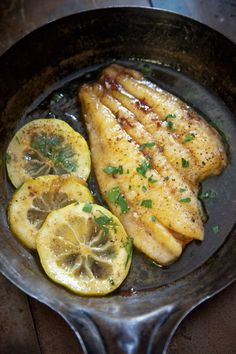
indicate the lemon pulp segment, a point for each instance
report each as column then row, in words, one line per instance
column 37, row 197
column 47, row 147
column 87, row 251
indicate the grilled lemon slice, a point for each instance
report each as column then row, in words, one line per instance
column 47, row 147
column 85, row 249
column 37, row 197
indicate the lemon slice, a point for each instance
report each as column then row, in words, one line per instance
column 37, row 197
column 85, row 249
column 47, row 147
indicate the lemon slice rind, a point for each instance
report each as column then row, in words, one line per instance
column 80, row 263
column 33, row 201
column 47, row 147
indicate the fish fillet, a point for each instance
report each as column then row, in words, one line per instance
column 160, row 192
column 152, row 105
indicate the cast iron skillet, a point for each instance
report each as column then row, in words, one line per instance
column 183, row 56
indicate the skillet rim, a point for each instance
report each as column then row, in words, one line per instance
column 27, row 36
column 8, row 52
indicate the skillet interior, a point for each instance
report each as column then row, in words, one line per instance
column 188, row 59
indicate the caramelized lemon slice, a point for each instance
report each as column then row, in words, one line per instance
column 37, row 197
column 47, row 147
column 85, row 249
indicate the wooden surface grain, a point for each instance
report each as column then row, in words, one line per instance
column 27, row 326
column 17, row 330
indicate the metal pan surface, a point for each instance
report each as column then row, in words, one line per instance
column 184, row 57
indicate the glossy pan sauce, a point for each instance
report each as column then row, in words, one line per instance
column 61, row 102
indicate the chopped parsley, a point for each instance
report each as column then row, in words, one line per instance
column 87, row 208
column 146, row 70
column 216, row 229
column 153, row 218
column 147, row 203
column 60, row 157
column 112, row 170
column 143, row 168
column 188, row 137
column 105, row 223
column 166, row 178
column 128, row 245
column 122, row 204
column 208, row 195
column 103, row 220
column 144, row 188
column 111, row 281
column 57, row 97
column 146, row 145
column 114, row 195
column 151, row 180
column 170, row 125
column 69, row 166
column 50, row 146
column 185, row 163
column 182, row 190
column 170, row 116
column 44, row 143
column 185, row 200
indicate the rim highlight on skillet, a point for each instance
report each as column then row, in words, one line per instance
column 194, row 63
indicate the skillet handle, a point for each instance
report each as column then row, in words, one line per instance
column 86, row 331
column 145, row 334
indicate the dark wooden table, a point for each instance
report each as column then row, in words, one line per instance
column 26, row 326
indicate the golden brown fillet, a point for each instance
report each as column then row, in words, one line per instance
column 173, row 180
column 180, row 132
column 148, row 223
